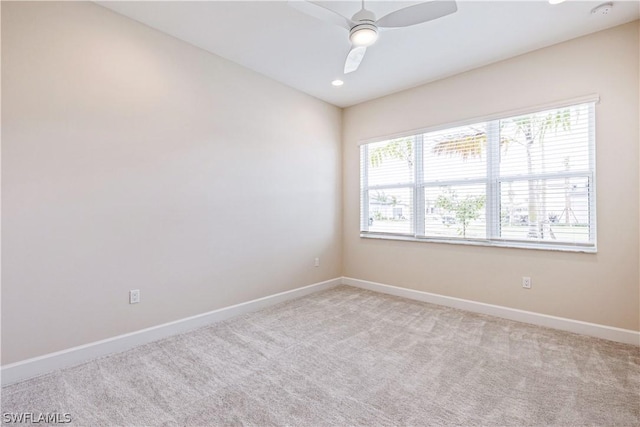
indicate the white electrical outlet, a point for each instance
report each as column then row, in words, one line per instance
column 526, row 282
column 317, row 262
column 134, row 296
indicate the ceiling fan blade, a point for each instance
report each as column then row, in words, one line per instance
column 418, row 14
column 320, row 12
column 354, row 58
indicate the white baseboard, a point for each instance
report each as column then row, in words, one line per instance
column 40, row 365
column 592, row 329
column 36, row 366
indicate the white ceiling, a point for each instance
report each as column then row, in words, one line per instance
column 274, row 39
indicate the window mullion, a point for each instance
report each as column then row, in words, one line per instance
column 493, row 172
column 418, row 189
column 390, row 186
column 592, row 180
column 364, row 185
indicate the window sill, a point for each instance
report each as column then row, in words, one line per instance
column 487, row 243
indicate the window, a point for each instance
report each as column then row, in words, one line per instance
column 522, row 181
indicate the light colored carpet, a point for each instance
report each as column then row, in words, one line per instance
column 350, row 357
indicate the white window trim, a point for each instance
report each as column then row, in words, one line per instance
column 595, row 98
column 492, row 182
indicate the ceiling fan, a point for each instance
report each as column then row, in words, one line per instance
column 363, row 27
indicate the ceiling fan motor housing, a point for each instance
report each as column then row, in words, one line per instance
column 365, row 32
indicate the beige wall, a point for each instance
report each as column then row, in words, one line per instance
column 601, row 288
column 132, row 160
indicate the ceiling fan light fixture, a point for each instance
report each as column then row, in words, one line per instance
column 363, row 35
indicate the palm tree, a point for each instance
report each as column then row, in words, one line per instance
column 401, row 149
column 533, row 128
column 466, row 145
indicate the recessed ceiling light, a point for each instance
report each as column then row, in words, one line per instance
column 556, row 1
column 337, row 82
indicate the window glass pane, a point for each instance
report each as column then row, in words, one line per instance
column 391, row 162
column 554, row 210
column 521, row 181
column 551, row 141
column 455, row 211
column 391, row 210
column 456, row 153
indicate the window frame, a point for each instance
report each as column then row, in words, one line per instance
column 492, row 181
